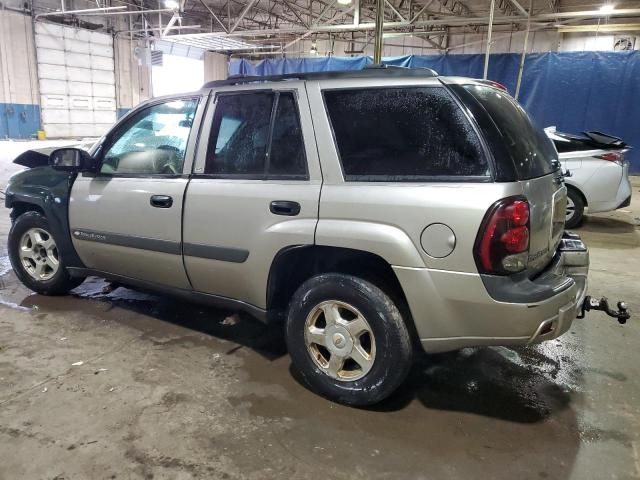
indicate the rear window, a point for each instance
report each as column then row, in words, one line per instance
column 403, row 134
column 532, row 151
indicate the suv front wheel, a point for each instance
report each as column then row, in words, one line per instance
column 35, row 256
column 347, row 339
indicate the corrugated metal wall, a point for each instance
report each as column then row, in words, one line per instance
column 19, row 110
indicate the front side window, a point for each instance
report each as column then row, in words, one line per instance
column 153, row 141
column 403, row 134
column 256, row 135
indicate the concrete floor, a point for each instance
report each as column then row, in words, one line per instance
column 173, row 390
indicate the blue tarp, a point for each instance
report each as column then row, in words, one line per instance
column 575, row 91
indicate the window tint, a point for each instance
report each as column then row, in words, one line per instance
column 240, row 134
column 403, row 134
column 153, row 141
column 241, row 139
column 287, row 148
column 532, row 151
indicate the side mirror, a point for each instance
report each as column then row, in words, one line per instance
column 71, row 160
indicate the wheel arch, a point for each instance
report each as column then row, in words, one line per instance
column 20, row 207
column 294, row 265
column 578, row 190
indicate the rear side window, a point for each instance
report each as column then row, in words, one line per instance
column 403, row 134
column 532, row 151
column 256, row 135
column 287, row 149
column 240, row 135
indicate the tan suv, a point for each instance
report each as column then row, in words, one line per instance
column 374, row 212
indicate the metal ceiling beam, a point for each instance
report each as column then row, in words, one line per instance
column 173, row 20
column 339, row 15
column 520, row 8
column 293, row 42
column 324, row 10
column 212, row 13
column 155, row 29
column 393, row 9
column 611, row 27
column 128, row 12
column 242, row 15
column 295, row 12
column 93, row 11
column 421, row 11
column 447, row 21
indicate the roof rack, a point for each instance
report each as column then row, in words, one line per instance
column 370, row 71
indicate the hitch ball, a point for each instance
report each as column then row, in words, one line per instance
column 590, row 303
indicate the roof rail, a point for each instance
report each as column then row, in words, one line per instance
column 370, row 71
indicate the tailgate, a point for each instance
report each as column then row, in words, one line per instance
column 547, row 198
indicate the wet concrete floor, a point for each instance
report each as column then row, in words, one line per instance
column 173, row 390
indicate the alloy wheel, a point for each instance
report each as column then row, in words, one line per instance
column 340, row 340
column 39, row 254
column 571, row 209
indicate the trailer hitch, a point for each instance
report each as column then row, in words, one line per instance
column 590, row 303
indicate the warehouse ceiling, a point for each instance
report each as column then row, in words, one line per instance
column 274, row 26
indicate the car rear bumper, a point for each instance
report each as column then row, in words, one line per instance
column 622, row 196
column 452, row 310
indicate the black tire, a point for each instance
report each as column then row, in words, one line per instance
column 578, row 213
column 393, row 346
column 61, row 282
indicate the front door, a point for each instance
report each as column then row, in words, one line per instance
column 255, row 189
column 127, row 219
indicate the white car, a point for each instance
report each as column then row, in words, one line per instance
column 598, row 175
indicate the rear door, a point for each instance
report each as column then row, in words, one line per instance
column 536, row 165
column 127, row 219
column 254, row 191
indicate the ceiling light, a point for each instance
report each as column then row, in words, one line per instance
column 314, row 49
column 607, row 8
column 344, row 2
column 172, row 4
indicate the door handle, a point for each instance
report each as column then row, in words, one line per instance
column 285, row 207
column 161, row 201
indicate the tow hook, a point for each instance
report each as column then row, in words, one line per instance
column 591, row 303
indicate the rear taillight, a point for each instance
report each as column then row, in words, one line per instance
column 502, row 244
column 611, row 157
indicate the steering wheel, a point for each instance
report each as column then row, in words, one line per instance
column 169, row 169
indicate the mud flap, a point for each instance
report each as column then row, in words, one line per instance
column 590, row 303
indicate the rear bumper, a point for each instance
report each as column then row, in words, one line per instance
column 621, row 199
column 626, row 202
column 452, row 310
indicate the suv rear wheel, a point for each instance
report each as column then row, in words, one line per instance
column 35, row 256
column 347, row 339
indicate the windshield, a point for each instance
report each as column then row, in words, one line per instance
column 533, row 153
